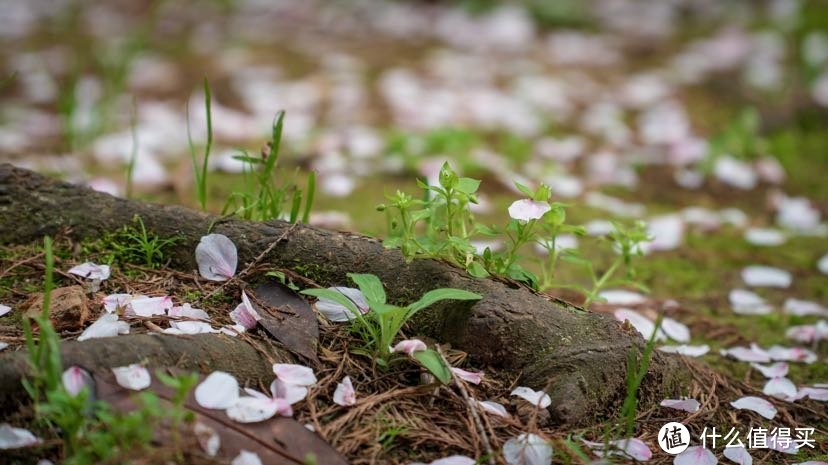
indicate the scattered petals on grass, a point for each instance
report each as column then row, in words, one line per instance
column 345, row 394
column 738, row 455
column 90, row 270
column 4, row 309
column 493, row 407
column 297, row 375
column 745, row 302
column 107, row 326
column 527, row 449
column 684, row 349
column 337, row 312
column 74, row 379
column 245, row 313
column 753, row 353
column 450, row 460
column 781, row 388
column 13, row 438
column 695, row 455
column 468, row 376
column 537, row 398
column 247, row 458
column 134, row 377
column 688, row 405
column 409, row 346
column 641, row 323
column 218, row 391
column 216, row 257
column 528, row 209
column 766, row 276
column 792, row 354
column 756, row 404
column 208, row 439
column 772, row 371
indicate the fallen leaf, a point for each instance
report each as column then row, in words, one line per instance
column 288, row 318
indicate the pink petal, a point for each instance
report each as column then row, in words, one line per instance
column 289, row 392
column 216, row 257
column 537, row 398
column 297, row 375
column 781, row 388
column 792, row 354
column 13, row 438
column 528, row 209
column 345, row 394
column 255, row 409
column 74, row 380
column 90, row 270
column 112, row 302
column 696, row 456
column 218, row 391
column 690, row 351
column 756, row 404
column 245, row 313
column 207, row 438
column 494, row 408
column 150, row 306
column 634, row 448
column 772, row 371
column 527, row 449
column 744, row 354
column 246, row 458
column 820, row 394
column 738, row 455
column 688, row 405
column 784, row 445
column 134, row 377
column 187, row 311
column 4, row 309
column 409, row 346
column 468, row 376
column 107, row 326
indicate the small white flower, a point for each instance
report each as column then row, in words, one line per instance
column 528, row 209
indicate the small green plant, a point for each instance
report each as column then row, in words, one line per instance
column 383, row 322
column 133, row 156
column 740, row 138
column 134, row 244
column 200, row 167
column 266, row 199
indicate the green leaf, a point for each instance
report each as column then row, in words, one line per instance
column 335, row 296
column 525, row 190
column 370, row 286
column 431, row 361
column 468, row 185
column 476, row 269
column 437, row 295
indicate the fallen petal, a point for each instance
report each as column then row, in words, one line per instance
column 527, row 449
column 289, row 392
column 134, row 377
column 641, row 323
column 339, row 313
column 107, row 326
column 75, row 379
column 690, row 351
column 493, row 407
column 748, row 354
column 4, row 309
column 253, row 409
column 468, row 376
column 150, row 306
column 537, row 398
column 745, row 302
column 345, row 394
column 738, row 455
column 219, row 391
column 216, row 257
column 247, row 458
column 13, row 438
column 772, row 371
column 528, row 209
column 756, row 404
column 766, row 276
column 90, row 270
column 695, row 456
column 207, row 438
column 409, row 346
column 245, row 313
column 298, row 375
column 675, row 330
column 688, row 405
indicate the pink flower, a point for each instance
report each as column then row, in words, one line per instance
column 528, row 209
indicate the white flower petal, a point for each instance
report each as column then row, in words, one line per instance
column 765, row 237
column 216, row 257
column 641, row 323
column 695, row 456
column 792, row 354
column 536, row 398
column 738, row 455
column 748, row 354
column 107, row 326
column 409, row 346
column 622, row 297
column 675, row 330
column 814, row 393
column 527, row 449
column 134, row 377
column 453, row 460
column 218, row 391
column 766, row 276
column 245, row 313
column 468, row 376
column 289, row 392
column 187, row 311
column 345, row 394
column 772, row 371
column 246, row 458
column 4, row 309
column 339, row 313
column 688, row 405
column 74, row 379
column 298, row 375
column 781, row 388
column 684, row 349
column 253, row 409
column 150, row 306
column 804, row 308
column 112, row 302
column 745, row 302
column 208, row 439
column 13, row 438
column 493, row 407
column 756, row 404
column 528, row 209
column 90, row 270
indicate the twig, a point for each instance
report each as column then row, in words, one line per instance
column 473, row 408
column 249, row 267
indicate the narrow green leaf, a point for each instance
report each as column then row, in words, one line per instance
column 431, row 361
column 310, row 189
column 431, row 297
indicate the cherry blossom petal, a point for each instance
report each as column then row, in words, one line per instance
column 667, row 233
column 134, row 377
column 772, row 371
column 256, row 409
column 634, row 448
column 738, row 455
column 814, row 393
column 297, row 375
column 684, row 349
column 803, row 308
column 468, row 376
column 784, row 445
column 107, row 326
column 753, row 353
column 345, row 394
column 409, row 346
column 187, row 311
column 527, row 449
column 216, row 257
column 695, row 455
column 781, row 388
column 688, row 405
column 536, row 398
column 13, row 438
column 745, row 302
column 528, row 209
column 112, row 302
column 622, row 297
column 803, row 333
column 756, row 404
column 245, row 313
column 289, row 392
column 247, row 458
column 766, row 276
column 4, row 309
column 454, row 460
column 735, row 173
column 90, row 270
column 208, row 438
column 812, row 462
column 641, row 323
column 3, row 345
column 190, row 328
column 765, row 237
column 149, row 306
column 822, row 264
column 493, row 407
column 339, row 313
column 218, row 391
column 675, row 330
column 75, row 379
column 792, row 354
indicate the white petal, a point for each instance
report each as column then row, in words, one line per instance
column 641, row 323
column 3, row 345
column 675, row 330
column 187, row 311
column 735, row 173
column 90, row 270
column 738, row 455
column 814, row 393
column 74, row 379
column 253, row 409
column 527, row 449
column 246, row 458
column 528, row 209
column 822, row 264
column 467, row 376
column 113, row 301
column 339, row 313
column 766, row 276
column 804, row 308
column 150, row 306
column 107, row 326
column 218, row 391
column 494, row 408
column 289, row 392
column 634, row 448
column 454, row 460
column 772, row 371
column 745, row 302
column 695, row 456
column 298, row 375
column 756, row 404
column 537, row 398
column 345, row 394
column 688, row 405
column 765, row 237
column 622, row 297
column 216, row 257
column 13, row 438
column 745, row 354
column 207, row 438
column 134, row 377
column 409, row 346
column 4, row 309
column 667, row 233
column 191, row 327
column 245, row 313
column 781, row 388
column 690, row 351
column 791, row 354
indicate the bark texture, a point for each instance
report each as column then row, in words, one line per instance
column 579, row 358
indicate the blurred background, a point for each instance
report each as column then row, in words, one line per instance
column 619, row 105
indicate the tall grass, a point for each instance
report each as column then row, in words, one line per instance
column 200, row 167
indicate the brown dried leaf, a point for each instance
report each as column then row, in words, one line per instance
column 288, row 318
